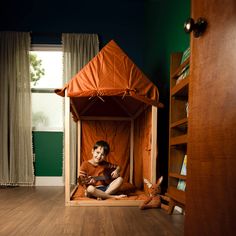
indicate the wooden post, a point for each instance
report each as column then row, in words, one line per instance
column 154, row 144
column 131, row 151
column 78, row 146
column 67, row 149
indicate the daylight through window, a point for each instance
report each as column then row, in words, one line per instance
column 46, row 75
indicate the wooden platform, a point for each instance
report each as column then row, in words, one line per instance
column 132, row 199
column 111, row 203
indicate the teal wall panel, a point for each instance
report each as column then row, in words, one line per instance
column 48, row 148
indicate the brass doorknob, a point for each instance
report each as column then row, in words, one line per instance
column 197, row 27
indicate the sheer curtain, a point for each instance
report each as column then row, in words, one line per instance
column 78, row 50
column 16, row 160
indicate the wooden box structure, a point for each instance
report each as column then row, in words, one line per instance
column 112, row 100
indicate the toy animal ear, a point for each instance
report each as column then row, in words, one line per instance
column 149, row 184
column 159, row 181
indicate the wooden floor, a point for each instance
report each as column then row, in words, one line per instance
column 37, row 211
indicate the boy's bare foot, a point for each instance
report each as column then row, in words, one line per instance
column 120, row 196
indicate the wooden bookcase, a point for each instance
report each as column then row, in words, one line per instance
column 178, row 131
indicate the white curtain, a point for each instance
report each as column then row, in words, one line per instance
column 16, row 161
column 78, row 50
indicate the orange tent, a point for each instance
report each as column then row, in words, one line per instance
column 112, row 100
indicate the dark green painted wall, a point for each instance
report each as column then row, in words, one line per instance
column 48, row 148
column 122, row 21
column 165, row 34
column 147, row 30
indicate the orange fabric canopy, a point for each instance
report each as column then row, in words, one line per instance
column 110, row 74
column 112, row 86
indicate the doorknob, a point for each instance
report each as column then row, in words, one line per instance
column 197, row 27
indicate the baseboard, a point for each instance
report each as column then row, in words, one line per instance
column 49, row 181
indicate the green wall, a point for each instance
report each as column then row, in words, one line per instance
column 48, row 148
column 165, row 34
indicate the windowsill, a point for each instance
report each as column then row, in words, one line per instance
column 47, row 129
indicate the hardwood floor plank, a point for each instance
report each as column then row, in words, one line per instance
column 41, row 211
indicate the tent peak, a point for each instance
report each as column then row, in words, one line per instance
column 111, row 73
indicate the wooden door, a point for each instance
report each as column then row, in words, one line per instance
column 211, row 181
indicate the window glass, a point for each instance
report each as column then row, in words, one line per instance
column 51, row 63
column 47, row 111
column 46, row 75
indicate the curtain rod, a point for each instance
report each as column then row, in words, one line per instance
column 40, row 33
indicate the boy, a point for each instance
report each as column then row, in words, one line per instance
column 92, row 174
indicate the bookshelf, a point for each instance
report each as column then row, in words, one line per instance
column 178, row 131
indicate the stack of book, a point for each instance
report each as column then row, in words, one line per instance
column 185, row 71
column 186, row 55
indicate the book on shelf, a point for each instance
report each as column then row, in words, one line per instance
column 184, row 166
column 181, row 185
column 186, row 55
column 184, row 73
column 187, row 108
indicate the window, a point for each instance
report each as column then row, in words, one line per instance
column 47, row 107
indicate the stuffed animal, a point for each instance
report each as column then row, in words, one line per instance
column 154, row 198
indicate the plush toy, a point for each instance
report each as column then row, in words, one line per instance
column 154, row 198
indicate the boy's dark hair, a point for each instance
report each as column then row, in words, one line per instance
column 102, row 144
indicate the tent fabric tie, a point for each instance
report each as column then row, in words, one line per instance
column 99, row 95
column 128, row 92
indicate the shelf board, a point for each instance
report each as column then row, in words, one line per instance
column 180, row 69
column 177, row 176
column 181, row 89
column 183, row 122
column 182, row 139
column 175, row 194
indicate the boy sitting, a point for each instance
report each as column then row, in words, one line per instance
column 92, row 174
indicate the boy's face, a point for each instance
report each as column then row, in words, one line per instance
column 98, row 154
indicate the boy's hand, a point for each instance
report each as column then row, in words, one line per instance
column 87, row 180
column 115, row 174
column 91, row 180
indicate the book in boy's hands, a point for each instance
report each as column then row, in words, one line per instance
column 184, row 166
